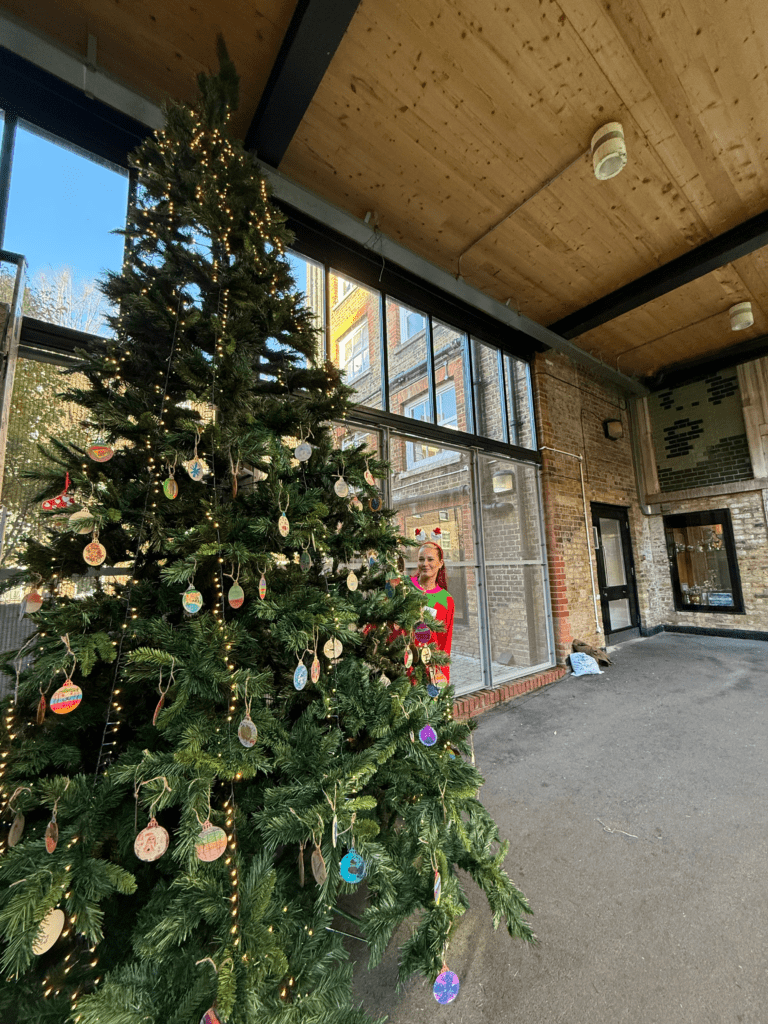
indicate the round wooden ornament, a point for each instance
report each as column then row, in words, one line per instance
column 426, row 655
column 352, row 867
column 332, row 648
column 32, row 602
column 100, row 451
column 368, row 477
column 341, row 487
column 152, row 842
column 408, row 657
column 66, row 698
column 51, row 835
column 196, row 468
column 300, row 676
column 319, row 869
column 302, row 451
column 94, row 553
column 170, row 488
column 446, row 987
column 81, row 521
column 211, row 842
column 375, row 503
column 17, row 829
column 428, row 736
column 50, row 929
column 247, row 732
column 192, row 600
column 283, row 526
column 236, row 596
column 352, row 581
column 305, row 562
column 356, row 503
column 422, row 633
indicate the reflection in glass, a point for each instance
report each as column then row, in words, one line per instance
column 489, row 408
column 355, row 337
column 450, row 352
column 309, row 277
column 407, row 356
column 619, row 614
column 702, row 565
column 613, row 554
column 519, row 402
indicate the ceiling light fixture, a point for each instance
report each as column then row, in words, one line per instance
column 609, row 151
column 741, row 316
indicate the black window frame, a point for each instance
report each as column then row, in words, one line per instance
column 708, row 517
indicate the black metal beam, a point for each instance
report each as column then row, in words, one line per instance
column 730, row 246
column 315, row 31
column 698, row 369
column 49, row 103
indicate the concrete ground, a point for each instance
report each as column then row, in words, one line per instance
column 636, row 803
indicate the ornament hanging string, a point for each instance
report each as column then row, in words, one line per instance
column 154, row 803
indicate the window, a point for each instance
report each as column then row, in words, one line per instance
column 343, row 288
column 411, row 324
column 702, row 559
column 354, row 351
column 417, row 452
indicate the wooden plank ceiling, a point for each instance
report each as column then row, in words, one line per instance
column 465, row 127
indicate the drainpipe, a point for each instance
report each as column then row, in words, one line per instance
column 637, row 464
column 546, row 448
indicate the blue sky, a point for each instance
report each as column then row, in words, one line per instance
column 62, row 208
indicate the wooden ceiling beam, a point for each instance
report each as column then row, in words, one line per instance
column 313, row 36
column 731, row 245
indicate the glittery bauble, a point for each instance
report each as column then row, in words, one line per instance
column 152, row 842
column 94, row 553
column 66, row 698
column 211, row 842
column 446, row 987
column 352, row 867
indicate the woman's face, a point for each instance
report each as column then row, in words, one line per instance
column 429, row 565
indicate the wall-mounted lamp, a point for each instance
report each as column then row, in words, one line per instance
column 614, row 429
column 609, row 151
column 741, row 316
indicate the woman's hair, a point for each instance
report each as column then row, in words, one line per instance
column 441, row 579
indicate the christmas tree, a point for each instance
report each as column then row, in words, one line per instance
column 206, row 755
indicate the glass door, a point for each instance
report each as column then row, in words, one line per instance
column 615, row 571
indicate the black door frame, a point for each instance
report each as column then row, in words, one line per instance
column 620, row 513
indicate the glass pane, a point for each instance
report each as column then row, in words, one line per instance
column 702, row 564
column 434, row 502
column 309, row 277
column 489, row 413
column 519, row 402
column 613, row 555
column 61, row 210
column 514, row 559
column 449, row 348
column 407, row 355
column 355, row 337
column 618, row 613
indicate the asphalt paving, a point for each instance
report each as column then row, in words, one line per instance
column 636, row 803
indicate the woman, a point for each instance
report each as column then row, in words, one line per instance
column 431, row 582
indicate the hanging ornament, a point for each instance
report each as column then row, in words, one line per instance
column 408, row 656
column 375, row 503
column 50, row 929
column 437, row 888
column 94, row 553
column 446, row 986
column 196, row 467
column 41, row 709
column 162, row 692
column 211, row 842
column 81, row 522
column 432, row 690
column 352, row 867
column 335, row 831
column 352, row 581
column 314, row 672
column 152, row 842
column 389, row 588
column 356, row 503
column 439, row 677
column 422, row 633
column 341, row 487
column 236, row 596
column 100, row 450
column 318, row 866
column 247, row 732
column 66, row 698
column 305, row 562
column 301, row 865
column 332, row 648
column 210, row 1016
column 300, row 676
column 52, row 835
column 32, row 602
column 192, row 600
column 372, row 560
column 17, row 828
column 400, row 563
column 368, row 476
column 428, row 736
column 235, row 470
column 426, row 655
column 385, row 680
column 170, row 487
column 302, row 451
column 61, row 501
column 283, row 525
column 262, row 587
